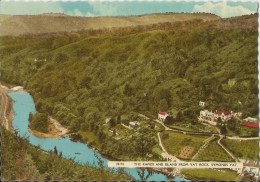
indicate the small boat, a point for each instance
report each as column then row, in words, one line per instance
column 77, row 153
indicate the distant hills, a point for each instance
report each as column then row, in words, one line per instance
column 58, row 22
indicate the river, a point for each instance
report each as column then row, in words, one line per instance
column 24, row 105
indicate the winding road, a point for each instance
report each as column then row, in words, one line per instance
column 206, row 143
column 201, row 133
column 4, row 103
column 165, row 154
column 227, row 151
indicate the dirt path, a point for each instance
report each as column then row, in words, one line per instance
column 241, row 138
column 229, row 153
column 200, row 133
column 165, row 154
column 207, row 141
column 5, row 104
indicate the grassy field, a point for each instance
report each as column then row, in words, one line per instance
column 157, row 150
column 90, row 137
column 192, row 127
column 123, row 131
column 243, row 132
column 243, row 149
column 158, row 127
column 214, row 153
column 247, row 132
column 175, row 142
column 209, row 174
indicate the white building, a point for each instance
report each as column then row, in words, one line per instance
column 202, row 104
column 224, row 115
column 134, row 124
column 252, row 120
column 212, row 117
column 162, row 115
column 107, row 120
column 208, row 117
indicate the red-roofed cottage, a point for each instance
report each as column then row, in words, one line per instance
column 162, row 115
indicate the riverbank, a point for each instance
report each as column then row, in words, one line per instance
column 169, row 172
column 55, row 130
column 77, row 151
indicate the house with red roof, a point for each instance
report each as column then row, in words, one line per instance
column 212, row 117
column 162, row 115
column 223, row 115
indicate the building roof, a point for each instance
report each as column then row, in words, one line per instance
column 248, row 124
column 249, row 119
column 218, row 112
column 132, row 123
column 162, row 113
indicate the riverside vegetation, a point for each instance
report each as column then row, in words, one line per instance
column 21, row 161
column 83, row 78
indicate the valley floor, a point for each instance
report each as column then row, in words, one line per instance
column 170, row 151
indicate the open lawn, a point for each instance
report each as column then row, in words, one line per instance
column 158, row 127
column 248, row 132
column 184, row 128
column 90, row 137
column 123, row 131
column 157, row 150
column 214, row 152
column 243, row 132
column 243, row 149
column 175, row 142
column 210, row 174
column 193, row 127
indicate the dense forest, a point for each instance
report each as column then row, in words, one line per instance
column 81, row 79
column 21, row 161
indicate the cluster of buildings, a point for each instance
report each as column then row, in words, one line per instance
column 251, row 168
column 212, row 117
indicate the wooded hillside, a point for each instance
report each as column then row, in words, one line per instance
column 85, row 77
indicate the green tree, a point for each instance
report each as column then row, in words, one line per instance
column 55, row 150
column 163, row 105
column 169, row 120
column 114, row 132
column 143, row 175
column 39, row 122
column 179, row 116
column 112, row 122
column 223, row 130
column 232, row 124
column 128, row 90
column 219, row 121
column 160, row 94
